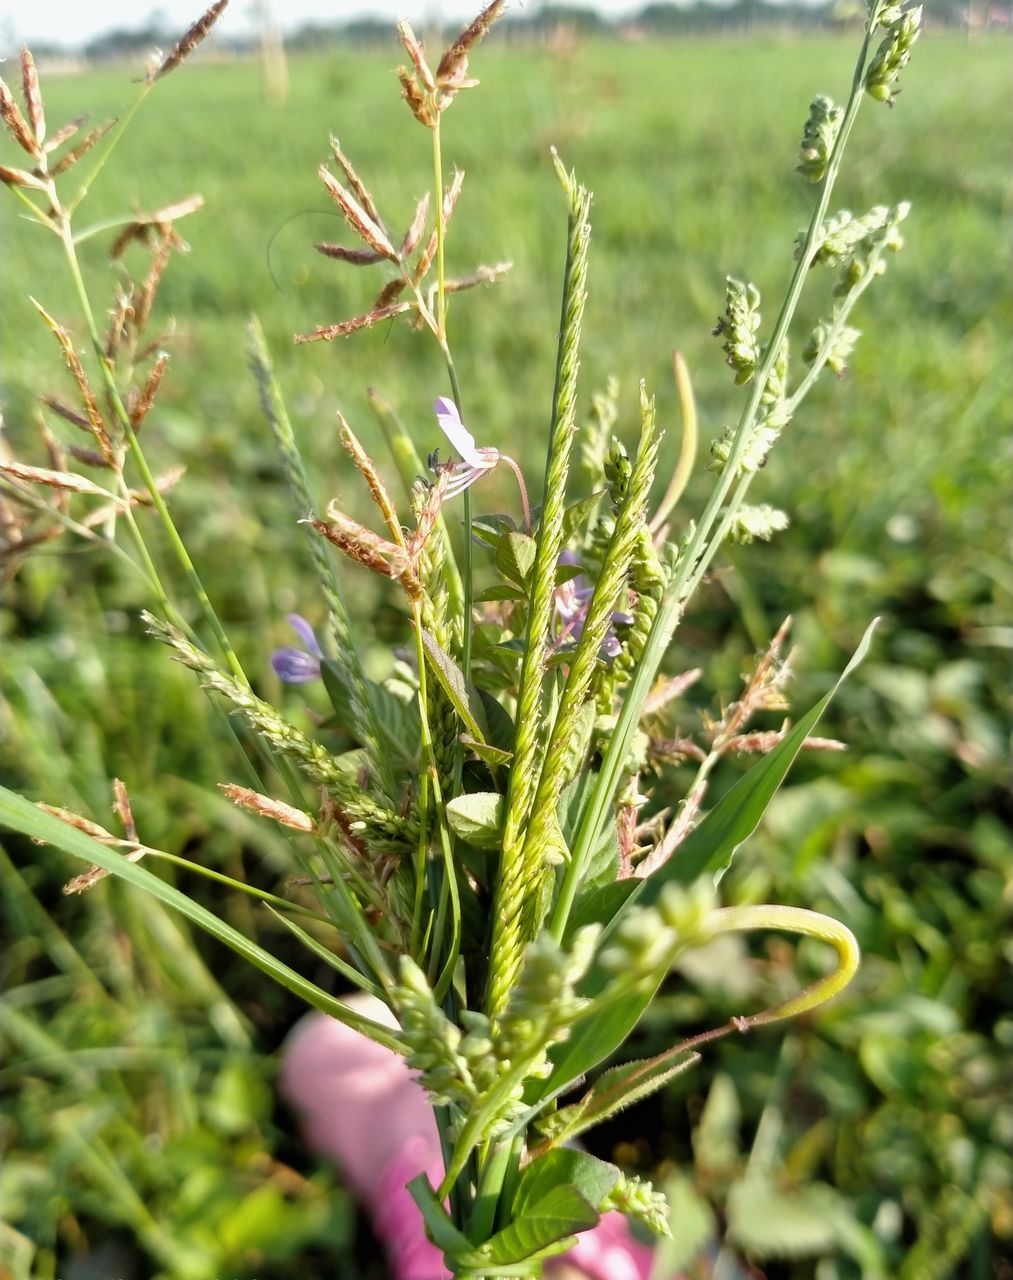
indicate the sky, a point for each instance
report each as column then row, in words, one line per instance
column 71, row 22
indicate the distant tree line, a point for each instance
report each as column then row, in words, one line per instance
column 543, row 20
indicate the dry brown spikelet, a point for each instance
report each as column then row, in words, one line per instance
column 367, row 468
column 418, row 103
column 414, row 233
column 65, row 480
column 356, row 216
column 359, row 188
column 268, row 807
column 11, row 115
column 64, row 133
column 361, row 544
column 98, row 428
column 71, row 158
column 33, row 98
column 413, row 48
column 189, row 41
column 357, row 257
column 454, row 63
column 67, row 413
column 143, row 401
column 327, row 333
column 20, row 178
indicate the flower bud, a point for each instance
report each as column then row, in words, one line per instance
column 818, row 138
column 892, row 56
column 738, row 327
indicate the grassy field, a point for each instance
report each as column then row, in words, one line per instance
column 896, row 480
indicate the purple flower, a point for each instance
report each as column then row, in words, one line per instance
column 298, row 666
column 572, row 599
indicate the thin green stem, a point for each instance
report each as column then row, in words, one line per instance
column 109, row 148
column 441, row 232
column 706, row 540
column 158, row 502
column 494, row 1171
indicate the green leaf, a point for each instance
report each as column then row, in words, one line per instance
column 477, row 817
column 462, row 695
column 716, row 1136
column 397, row 719
column 614, row 1090
column 576, row 516
column 500, row 591
column 709, row 849
column 515, row 556
column 327, row 956
column 593, row 1178
column 546, row 1227
column 19, row 814
column 767, row 1222
column 693, row 1226
column 398, row 722
column 494, row 757
column 501, row 727
column 442, row 1230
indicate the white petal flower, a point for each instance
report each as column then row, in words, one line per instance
column 461, row 438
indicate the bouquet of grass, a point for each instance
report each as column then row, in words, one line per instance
column 479, row 845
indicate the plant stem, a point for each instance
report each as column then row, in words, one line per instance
column 709, row 535
column 123, row 418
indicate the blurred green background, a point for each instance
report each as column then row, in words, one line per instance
column 141, row 1132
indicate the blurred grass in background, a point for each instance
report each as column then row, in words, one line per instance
column 889, row 1121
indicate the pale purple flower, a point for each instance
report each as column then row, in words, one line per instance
column 298, row 666
column 572, row 599
column 475, row 460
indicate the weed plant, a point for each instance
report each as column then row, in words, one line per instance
column 476, row 839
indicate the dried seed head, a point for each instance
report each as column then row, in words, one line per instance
column 369, row 472
column 365, row 226
column 95, row 422
column 121, row 807
column 162, row 220
column 33, row 98
column 454, row 63
column 419, row 104
column 428, row 514
column 67, row 413
column 414, row 50
column 391, row 291
column 15, row 121
column 20, row 178
column 77, row 822
column 267, row 807
column 190, row 40
column 144, row 298
column 361, row 544
column 65, row 480
column 327, row 333
column 71, row 158
column 359, row 188
column 484, row 274
column 90, row 457
column 140, row 408
column 450, row 195
column 414, row 233
column 63, row 134
column 118, row 316
column 357, row 257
